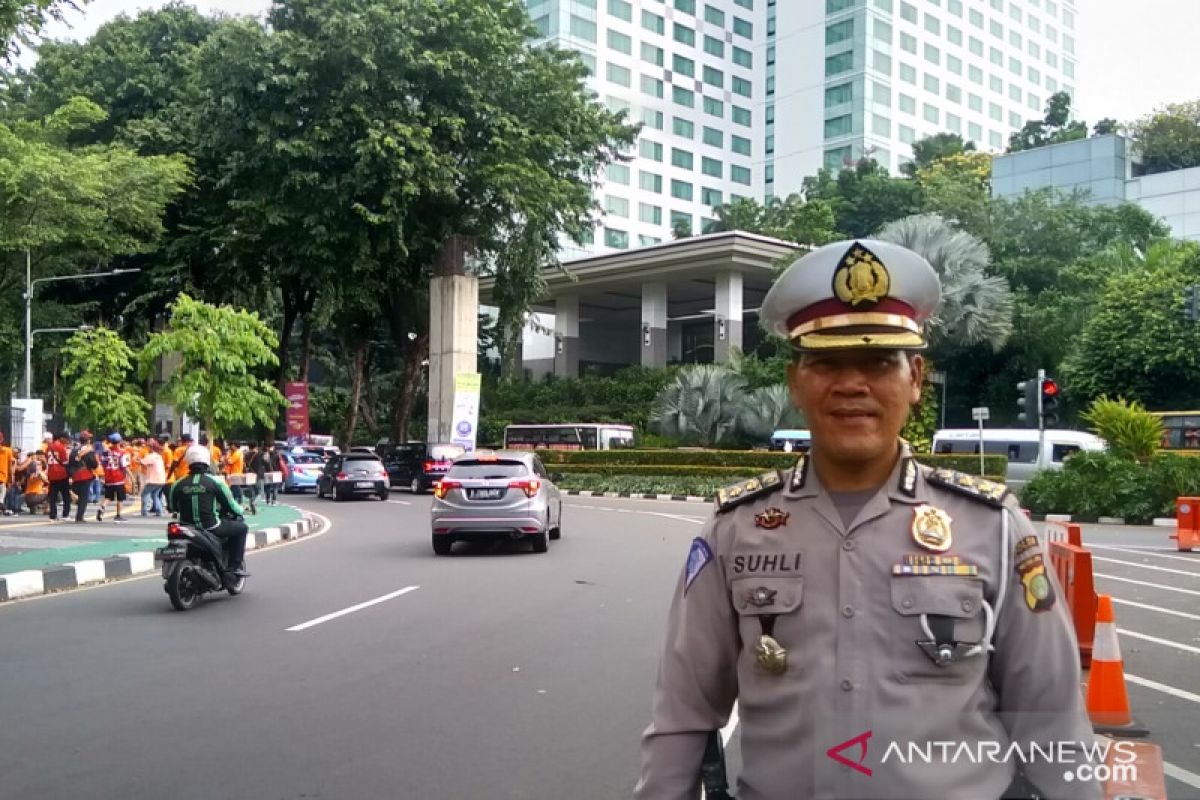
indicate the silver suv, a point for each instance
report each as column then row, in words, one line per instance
column 502, row 492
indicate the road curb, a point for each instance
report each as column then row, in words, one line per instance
column 690, row 498
column 73, row 575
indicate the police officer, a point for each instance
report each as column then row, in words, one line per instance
column 202, row 500
column 864, row 610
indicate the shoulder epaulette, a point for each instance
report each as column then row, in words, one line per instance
column 740, row 492
column 986, row 491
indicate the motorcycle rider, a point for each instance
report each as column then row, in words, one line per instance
column 202, row 500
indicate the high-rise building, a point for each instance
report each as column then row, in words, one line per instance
column 866, row 78
column 693, row 73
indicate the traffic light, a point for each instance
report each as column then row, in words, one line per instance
column 1027, row 402
column 1050, row 396
column 1191, row 302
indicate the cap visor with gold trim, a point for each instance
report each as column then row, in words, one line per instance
column 854, row 294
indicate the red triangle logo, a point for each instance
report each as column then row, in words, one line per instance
column 835, row 753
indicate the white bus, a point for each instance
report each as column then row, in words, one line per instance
column 569, row 436
column 1019, row 446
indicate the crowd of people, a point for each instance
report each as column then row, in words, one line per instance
column 66, row 473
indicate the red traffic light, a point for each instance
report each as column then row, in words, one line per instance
column 1050, row 388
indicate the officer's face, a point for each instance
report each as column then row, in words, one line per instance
column 856, row 401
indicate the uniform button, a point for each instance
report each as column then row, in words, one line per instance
column 847, row 611
column 968, row 606
column 847, row 685
column 848, row 544
column 907, row 602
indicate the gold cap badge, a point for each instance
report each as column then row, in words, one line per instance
column 861, row 279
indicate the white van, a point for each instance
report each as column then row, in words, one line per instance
column 1019, row 445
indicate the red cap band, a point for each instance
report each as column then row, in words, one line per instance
column 833, row 307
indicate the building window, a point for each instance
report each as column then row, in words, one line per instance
column 743, row 27
column 742, row 116
column 581, row 28
column 834, row 6
column 975, row 103
column 650, row 214
column 739, row 145
column 881, row 126
column 621, row 10
column 683, row 34
column 714, row 16
column 617, row 173
column 714, row 107
column 683, row 97
column 617, row 104
column 650, row 182
column 713, row 137
column 883, row 30
column 618, row 74
column 908, row 104
column 932, row 84
column 954, row 35
column 976, row 18
column 882, row 62
column 681, row 190
column 681, row 158
column 836, row 95
column 842, row 62
column 908, row 43
column 746, row 4
column 995, row 84
column 686, row 6
column 714, row 46
column 743, row 58
column 995, row 56
column 542, row 24
column 908, row 12
column 931, row 113
column 616, row 206
column 683, row 127
column 975, row 74
column 974, row 132
column 652, row 86
column 837, row 157
column 933, row 25
column 653, row 22
column 650, row 150
column 953, row 93
column 838, row 126
column 711, row 197
column 1015, row 66
column 739, row 175
column 839, row 32
column 1014, row 119
column 975, row 46
column 714, row 77
column 616, row 239
column 711, row 167
column 742, row 86
column 1014, row 92
column 652, row 54
column 907, row 134
column 995, row 140
column 932, row 54
column 652, row 118
column 908, row 74
column 996, row 112
column 954, row 64
column 954, row 123
column 682, row 65
column 881, row 93
column 648, row 241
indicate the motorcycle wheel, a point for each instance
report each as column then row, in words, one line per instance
column 237, row 588
column 181, row 586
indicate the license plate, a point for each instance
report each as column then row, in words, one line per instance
column 170, row 553
column 364, row 485
column 485, row 494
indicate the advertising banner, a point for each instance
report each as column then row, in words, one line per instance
column 466, row 409
column 296, row 393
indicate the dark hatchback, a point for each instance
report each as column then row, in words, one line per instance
column 417, row 466
column 353, row 475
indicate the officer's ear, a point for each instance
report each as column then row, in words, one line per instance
column 916, row 368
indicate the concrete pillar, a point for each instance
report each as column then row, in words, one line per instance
column 453, row 334
column 727, row 324
column 653, row 334
column 566, row 336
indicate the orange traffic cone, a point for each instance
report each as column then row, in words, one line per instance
column 1107, row 698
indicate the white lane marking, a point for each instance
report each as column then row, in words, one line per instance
column 680, row 517
column 401, row 502
column 1147, row 583
column 1147, row 566
column 1162, row 687
column 1145, row 550
column 359, row 607
column 1182, row 775
column 1158, row 609
column 1164, row 642
column 731, row 726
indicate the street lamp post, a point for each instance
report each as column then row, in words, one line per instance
column 30, row 285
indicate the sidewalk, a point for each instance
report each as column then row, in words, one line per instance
column 38, row 555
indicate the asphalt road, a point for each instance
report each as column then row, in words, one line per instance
column 494, row 673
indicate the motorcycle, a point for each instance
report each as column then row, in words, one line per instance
column 194, row 563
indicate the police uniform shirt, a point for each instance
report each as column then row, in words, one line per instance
column 846, row 602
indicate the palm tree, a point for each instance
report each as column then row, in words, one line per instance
column 976, row 307
column 767, row 410
column 700, row 407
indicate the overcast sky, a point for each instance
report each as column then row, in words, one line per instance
column 1135, row 55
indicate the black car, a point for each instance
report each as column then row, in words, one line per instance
column 418, row 465
column 353, row 475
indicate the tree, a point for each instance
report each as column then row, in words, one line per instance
column 222, row 352
column 1129, row 429
column 1053, row 128
column 864, row 197
column 976, row 308
column 958, row 187
column 1136, row 343
column 22, row 20
column 1168, row 139
column 934, row 148
column 767, row 410
column 792, row 219
column 97, row 367
column 701, row 406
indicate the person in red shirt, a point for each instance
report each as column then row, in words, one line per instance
column 57, row 456
column 115, row 462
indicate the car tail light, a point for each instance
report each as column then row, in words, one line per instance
column 427, row 466
column 529, row 486
column 341, row 476
column 441, row 487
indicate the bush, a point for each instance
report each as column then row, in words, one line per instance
column 1092, row 485
column 1131, row 431
column 726, row 474
column 642, row 484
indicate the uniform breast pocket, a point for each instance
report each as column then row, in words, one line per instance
column 939, row 615
column 768, row 618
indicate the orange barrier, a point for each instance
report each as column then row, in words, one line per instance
column 1107, row 697
column 1187, row 523
column 1072, row 564
column 1140, row 779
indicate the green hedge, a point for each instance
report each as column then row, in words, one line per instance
column 754, row 460
column 727, row 474
column 642, row 484
column 1092, row 485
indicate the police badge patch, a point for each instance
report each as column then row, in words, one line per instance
column 1039, row 591
column 698, row 558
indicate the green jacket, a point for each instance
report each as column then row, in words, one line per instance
column 200, row 499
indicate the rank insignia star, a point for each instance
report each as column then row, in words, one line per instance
column 771, row 518
column 762, row 597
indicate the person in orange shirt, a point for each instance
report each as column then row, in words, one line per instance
column 215, row 449
column 36, row 486
column 235, row 465
column 179, row 467
column 167, row 453
column 6, row 471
